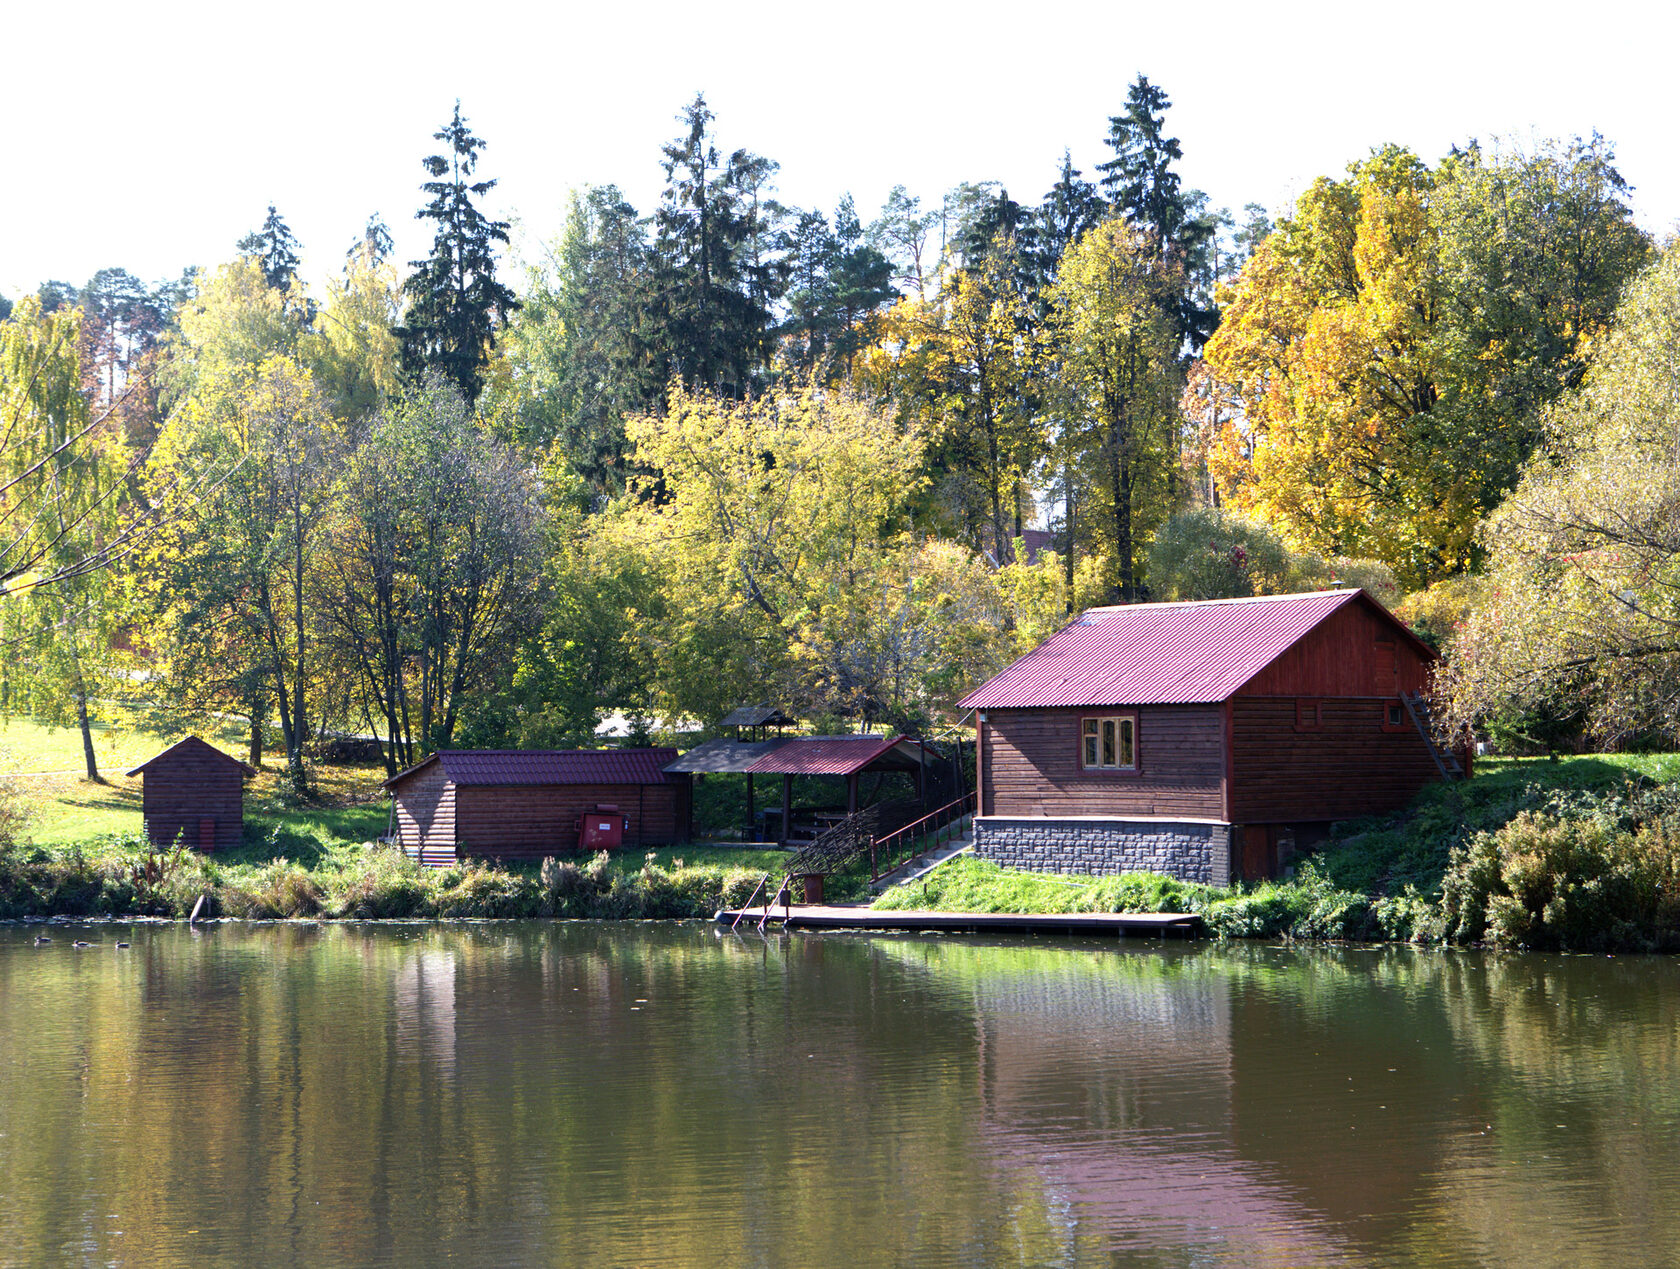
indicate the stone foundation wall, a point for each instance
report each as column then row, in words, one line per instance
column 1188, row 850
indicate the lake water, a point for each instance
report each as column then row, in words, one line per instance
column 665, row 1094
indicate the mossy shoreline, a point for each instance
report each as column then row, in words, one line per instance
column 1577, row 855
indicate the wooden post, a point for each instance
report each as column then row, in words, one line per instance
column 787, row 807
column 921, row 772
column 751, row 821
column 852, row 794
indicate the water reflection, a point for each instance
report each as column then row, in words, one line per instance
column 609, row 1094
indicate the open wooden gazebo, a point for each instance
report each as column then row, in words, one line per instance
column 790, row 756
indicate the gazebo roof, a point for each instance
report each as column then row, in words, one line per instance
column 802, row 755
column 757, row 716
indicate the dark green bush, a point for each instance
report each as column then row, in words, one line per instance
column 1583, row 882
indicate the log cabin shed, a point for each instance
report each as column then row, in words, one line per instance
column 194, row 790
column 525, row 803
column 1206, row 740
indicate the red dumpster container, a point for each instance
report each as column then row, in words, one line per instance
column 602, row 828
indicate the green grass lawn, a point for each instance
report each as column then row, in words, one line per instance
column 27, row 746
column 1383, row 855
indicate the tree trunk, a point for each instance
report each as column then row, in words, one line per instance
column 300, row 729
column 1067, row 562
column 256, row 750
column 87, row 734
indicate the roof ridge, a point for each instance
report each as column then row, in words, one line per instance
column 1243, row 599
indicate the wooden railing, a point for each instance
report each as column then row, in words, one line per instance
column 924, row 834
column 843, row 842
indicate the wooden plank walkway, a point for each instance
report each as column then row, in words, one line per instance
column 800, row 916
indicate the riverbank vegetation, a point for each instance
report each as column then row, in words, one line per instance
column 1581, row 854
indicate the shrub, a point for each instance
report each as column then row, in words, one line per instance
column 1581, row 882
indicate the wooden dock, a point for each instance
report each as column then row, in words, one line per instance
column 801, row 916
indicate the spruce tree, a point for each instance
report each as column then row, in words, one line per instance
column 708, row 319
column 1143, row 187
column 455, row 303
column 1071, row 209
column 374, row 246
column 275, row 246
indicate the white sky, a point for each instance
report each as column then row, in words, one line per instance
column 153, row 136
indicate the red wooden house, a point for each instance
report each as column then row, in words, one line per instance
column 195, row 791
column 525, row 804
column 1205, row 740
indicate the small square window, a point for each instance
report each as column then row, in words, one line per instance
column 1108, row 744
column 1309, row 714
column 1395, row 718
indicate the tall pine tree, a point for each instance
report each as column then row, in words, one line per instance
column 1143, row 186
column 455, row 303
column 276, row 248
column 708, row 319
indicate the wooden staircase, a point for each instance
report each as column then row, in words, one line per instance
column 1446, row 761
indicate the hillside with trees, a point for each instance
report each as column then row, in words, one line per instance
column 724, row 449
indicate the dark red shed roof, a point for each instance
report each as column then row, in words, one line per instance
column 192, row 744
column 1165, row 654
column 549, row 766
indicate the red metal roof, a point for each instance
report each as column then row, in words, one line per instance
column 823, row 755
column 550, row 766
column 1162, row 654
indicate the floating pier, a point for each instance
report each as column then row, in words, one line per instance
column 803, row 916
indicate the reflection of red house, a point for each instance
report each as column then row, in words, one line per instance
column 1204, row 740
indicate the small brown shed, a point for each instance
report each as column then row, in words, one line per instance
column 196, row 791
column 525, row 803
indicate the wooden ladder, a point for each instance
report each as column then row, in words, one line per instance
column 1446, row 763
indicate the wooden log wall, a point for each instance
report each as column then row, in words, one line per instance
column 1351, row 765
column 425, row 805
column 1031, row 764
column 1352, row 654
column 531, row 821
column 183, row 788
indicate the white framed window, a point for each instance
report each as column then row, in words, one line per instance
column 1108, row 744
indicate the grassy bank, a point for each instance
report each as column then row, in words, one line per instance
column 1582, row 854
column 77, row 849
column 1578, row 854
column 290, row 876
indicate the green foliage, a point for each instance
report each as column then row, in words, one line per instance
column 1214, row 554
column 1605, row 876
column 570, row 370
column 1579, row 612
column 455, row 302
column 434, row 568
column 125, row 876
